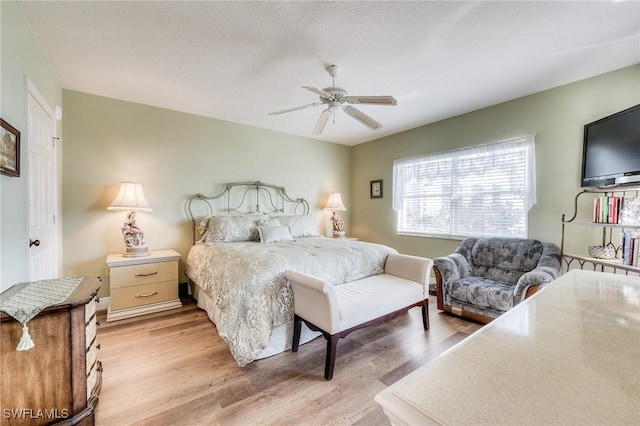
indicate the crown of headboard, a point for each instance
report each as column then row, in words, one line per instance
column 246, row 198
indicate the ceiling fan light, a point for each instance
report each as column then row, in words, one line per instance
column 335, row 97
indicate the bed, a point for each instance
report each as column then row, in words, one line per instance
column 237, row 262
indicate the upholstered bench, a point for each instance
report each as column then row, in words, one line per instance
column 338, row 310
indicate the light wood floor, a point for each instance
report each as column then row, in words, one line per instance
column 172, row 368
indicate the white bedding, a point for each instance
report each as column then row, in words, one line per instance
column 246, row 282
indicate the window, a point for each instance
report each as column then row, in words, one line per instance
column 480, row 191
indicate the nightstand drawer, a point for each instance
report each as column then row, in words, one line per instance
column 129, row 297
column 134, row 275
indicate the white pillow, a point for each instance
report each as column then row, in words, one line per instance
column 274, row 234
column 271, row 221
column 226, row 229
column 300, row 225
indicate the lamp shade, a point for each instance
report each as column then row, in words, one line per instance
column 335, row 202
column 130, row 197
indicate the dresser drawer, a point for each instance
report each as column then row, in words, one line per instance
column 90, row 332
column 90, row 309
column 129, row 297
column 135, row 275
column 92, row 380
column 91, row 357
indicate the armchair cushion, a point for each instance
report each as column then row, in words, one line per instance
column 505, row 259
column 483, row 292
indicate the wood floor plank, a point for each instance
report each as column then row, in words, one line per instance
column 172, row 368
column 432, row 352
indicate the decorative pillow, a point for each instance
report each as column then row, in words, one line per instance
column 300, row 225
column 266, row 222
column 271, row 221
column 274, row 234
column 226, row 229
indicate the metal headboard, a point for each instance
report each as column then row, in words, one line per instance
column 276, row 201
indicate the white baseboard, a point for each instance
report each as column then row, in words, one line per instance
column 103, row 304
column 143, row 310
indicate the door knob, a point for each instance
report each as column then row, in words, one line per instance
column 34, row 243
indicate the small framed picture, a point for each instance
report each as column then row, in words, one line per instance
column 376, row 188
column 9, row 150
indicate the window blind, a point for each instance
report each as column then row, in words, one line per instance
column 485, row 190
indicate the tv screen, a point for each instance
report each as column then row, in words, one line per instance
column 611, row 152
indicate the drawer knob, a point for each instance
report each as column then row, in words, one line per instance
column 98, row 346
column 97, row 323
column 146, row 275
column 153, row 293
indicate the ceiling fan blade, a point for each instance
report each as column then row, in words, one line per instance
column 362, row 117
column 318, row 91
column 322, row 121
column 372, row 100
column 295, row 108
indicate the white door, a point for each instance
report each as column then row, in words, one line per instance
column 43, row 247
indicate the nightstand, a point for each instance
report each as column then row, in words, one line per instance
column 347, row 238
column 142, row 285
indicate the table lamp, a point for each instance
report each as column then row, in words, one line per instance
column 131, row 198
column 335, row 203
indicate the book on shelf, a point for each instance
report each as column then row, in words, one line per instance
column 631, row 248
column 607, row 209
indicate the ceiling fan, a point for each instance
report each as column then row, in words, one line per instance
column 335, row 98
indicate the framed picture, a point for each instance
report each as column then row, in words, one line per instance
column 376, row 188
column 9, row 150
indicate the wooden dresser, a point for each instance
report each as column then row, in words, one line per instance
column 59, row 379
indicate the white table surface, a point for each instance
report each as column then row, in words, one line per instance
column 568, row 355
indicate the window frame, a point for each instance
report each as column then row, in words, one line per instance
column 524, row 198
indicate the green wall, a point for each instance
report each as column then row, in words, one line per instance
column 21, row 59
column 174, row 155
column 556, row 117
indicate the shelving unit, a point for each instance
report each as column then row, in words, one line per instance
column 610, row 234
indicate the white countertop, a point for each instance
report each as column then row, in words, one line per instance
column 568, row 355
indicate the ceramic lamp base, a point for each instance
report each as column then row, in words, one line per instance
column 137, row 251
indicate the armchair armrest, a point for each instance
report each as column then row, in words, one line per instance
column 548, row 269
column 452, row 267
column 316, row 298
column 446, row 270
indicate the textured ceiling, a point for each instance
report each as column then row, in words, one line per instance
column 238, row 61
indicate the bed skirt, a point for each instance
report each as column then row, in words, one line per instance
column 281, row 337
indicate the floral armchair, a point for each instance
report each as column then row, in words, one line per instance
column 486, row 277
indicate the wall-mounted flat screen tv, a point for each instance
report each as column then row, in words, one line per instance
column 611, row 152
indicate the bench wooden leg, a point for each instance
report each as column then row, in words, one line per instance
column 425, row 314
column 297, row 329
column 332, row 345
